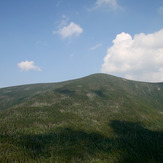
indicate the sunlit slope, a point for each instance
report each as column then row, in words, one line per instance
column 95, row 118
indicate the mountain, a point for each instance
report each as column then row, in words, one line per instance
column 98, row 118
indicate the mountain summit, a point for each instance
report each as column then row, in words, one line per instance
column 98, row 118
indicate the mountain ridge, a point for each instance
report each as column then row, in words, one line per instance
column 94, row 80
column 98, row 118
column 91, row 75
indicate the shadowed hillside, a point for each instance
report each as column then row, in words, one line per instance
column 96, row 118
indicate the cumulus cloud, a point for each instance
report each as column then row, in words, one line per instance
column 28, row 65
column 160, row 10
column 112, row 3
column 69, row 30
column 137, row 58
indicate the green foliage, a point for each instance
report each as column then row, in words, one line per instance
column 99, row 118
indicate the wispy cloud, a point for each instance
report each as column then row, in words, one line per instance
column 160, row 10
column 70, row 30
column 139, row 57
column 111, row 3
column 40, row 42
column 96, row 46
column 58, row 3
column 64, row 21
column 28, row 65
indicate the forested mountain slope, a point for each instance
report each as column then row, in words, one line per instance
column 96, row 118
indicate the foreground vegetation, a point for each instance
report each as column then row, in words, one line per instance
column 99, row 118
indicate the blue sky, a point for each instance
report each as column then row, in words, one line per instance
column 56, row 40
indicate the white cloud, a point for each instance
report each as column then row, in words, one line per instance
column 28, row 65
column 70, row 30
column 112, row 3
column 160, row 10
column 137, row 58
column 96, row 46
